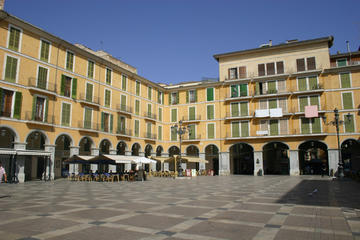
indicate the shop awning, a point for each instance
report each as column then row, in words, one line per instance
column 78, row 159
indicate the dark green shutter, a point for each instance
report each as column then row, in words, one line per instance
column 17, row 107
column 173, row 134
column 313, row 83
column 316, row 125
column 195, row 95
column 257, row 88
column 244, row 108
column 111, row 122
column 137, row 107
column 345, row 80
column 62, row 88
column 243, row 90
column 177, row 98
column 74, row 87
column 149, row 110
column 136, row 128
column 191, row 113
column 192, row 133
column 210, row 112
column 10, row 69
column 234, row 91
column 33, row 108
column 305, row 125
column 89, row 92
column 349, row 125
column 314, row 100
column 160, row 133
column 42, row 77
column 163, row 98
column 303, row 101
column 274, row 127
column 211, row 130
column 272, row 103
column 244, row 129
column 272, row 87
column 347, row 100
column 46, row 110
column 210, row 94
column 160, row 114
column 302, row 84
column 235, row 130
column 187, row 96
column 173, row 115
column 169, row 95
column 137, row 88
column 123, row 103
column 234, row 109
column 123, row 83
column 102, row 121
column 341, row 62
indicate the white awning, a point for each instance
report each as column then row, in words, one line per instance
column 7, row 152
column 83, row 157
column 129, row 159
column 32, row 153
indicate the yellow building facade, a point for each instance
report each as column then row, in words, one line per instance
column 59, row 99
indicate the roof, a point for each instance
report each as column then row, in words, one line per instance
column 328, row 39
column 339, row 55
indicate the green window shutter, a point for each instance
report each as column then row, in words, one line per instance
column 149, row 110
column 316, row 125
column 196, row 95
column 62, row 88
column 234, row 109
column 341, row 62
column 210, row 112
column 160, row 114
column 192, row 133
column 235, row 129
column 160, row 133
column 74, row 88
column 42, row 77
column 1, row 99
column 108, row 76
column 244, row 108
column 349, row 125
column 210, row 94
column 123, row 82
column 169, row 98
column 111, row 122
column 163, row 98
column 90, row 69
column 243, row 90
column 191, row 113
column 211, row 131
column 123, row 102
column 305, row 125
column 46, row 110
column 314, row 100
column 303, row 102
column 274, row 127
column 271, row 87
column 345, row 80
column 272, row 103
column 177, row 98
column 302, row 84
column 234, row 91
column 33, row 108
column 136, row 131
column 107, row 98
column 89, row 92
column 102, row 124
column 65, row 115
column 244, row 129
column 173, row 134
column 17, row 107
column 118, row 129
column 159, row 97
column 148, row 129
column 87, row 120
column 149, row 93
column 137, row 107
column 10, row 69
column 313, row 83
column 347, row 100
column 257, row 88
column 69, row 61
column 44, row 55
column 137, row 88
column 187, row 96
column 173, row 115
column 14, row 39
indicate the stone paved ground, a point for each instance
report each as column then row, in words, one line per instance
column 204, row 208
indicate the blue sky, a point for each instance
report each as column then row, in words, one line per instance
column 172, row 41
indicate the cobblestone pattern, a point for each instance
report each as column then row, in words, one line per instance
column 202, row 208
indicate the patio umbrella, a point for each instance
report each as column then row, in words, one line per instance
column 75, row 159
column 102, row 159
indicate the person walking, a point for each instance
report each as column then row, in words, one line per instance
column 2, row 173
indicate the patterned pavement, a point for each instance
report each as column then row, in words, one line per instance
column 202, row 208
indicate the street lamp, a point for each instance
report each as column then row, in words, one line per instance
column 180, row 130
column 336, row 122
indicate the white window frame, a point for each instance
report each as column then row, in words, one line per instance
column 126, row 81
column 106, row 89
column 109, row 123
column 162, row 113
column 87, row 69
column 92, row 94
column 213, row 89
column 207, row 112
column 47, row 76
column 189, row 112
column 193, row 91
column 344, row 119
column 139, row 127
column 121, row 116
column 172, row 99
column 177, row 116
column 237, row 73
column 69, row 103
column 311, row 125
column 137, row 81
column 308, row 100
column 350, row 76
column 50, row 45
column 46, row 102
column 161, row 97
column 91, row 120
column 111, row 75
column 207, row 133
column 352, row 99
column 73, row 67
column 139, row 106
column 347, row 62
column 151, row 108
column 17, row 67
column 20, row 37
column 125, row 99
column 240, row 131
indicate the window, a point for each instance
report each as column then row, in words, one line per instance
column 174, row 115
column 40, row 109
column 87, row 118
column 107, row 98
column 191, row 96
column 174, row 98
column 271, row 68
column 89, row 92
column 136, row 128
column 210, row 94
column 309, row 65
column 279, row 67
column 345, row 80
column 137, row 107
column 240, row 129
column 160, row 114
column 192, row 115
column 69, row 61
column 239, row 109
column 11, row 69
column 123, row 82
column 121, row 126
column 210, row 112
column 65, row 114
column 233, row 73
column 242, row 72
column 349, row 125
column 137, row 88
column 14, row 38
column 310, row 125
column 308, row 101
column 123, row 103
column 341, row 62
column 149, row 92
column 149, row 110
column 192, row 131
column 271, row 87
column 42, row 77
column 7, row 107
column 106, row 122
column 160, row 133
column 173, row 134
column 160, row 97
column 108, row 76
column 274, row 127
column 68, row 86
column 44, row 50
column 240, row 90
column 91, row 67
column 261, row 69
column 211, row 130
column 347, row 100
column 148, row 130
column 308, row 83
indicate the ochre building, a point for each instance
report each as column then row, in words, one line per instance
column 270, row 112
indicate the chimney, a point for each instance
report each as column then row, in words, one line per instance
column 2, row 3
column 270, row 43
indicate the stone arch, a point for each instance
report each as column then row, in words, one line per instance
column 67, row 135
column 14, row 132
column 241, row 158
column 192, row 150
column 173, row 150
column 121, row 148
column 85, row 145
column 313, row 158
column 7, row 137
column 211, row 144
column 148, row 150
column 276, row 158
column 36, row 140
column 212, row 156
column 136, row 149
column 105, row 146
column 350, row 155
column 62, row 152
column 159, row 150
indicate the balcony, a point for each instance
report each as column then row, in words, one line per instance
column 296, row 111
column 89, row 100
column 294, row 133
column 124, row 109
column 271, row 93
column 190, row 119
column 271, row 77
column 230, row 116
column 306, row 73
column 46, row 88
column 5, row 114
column 191, row 138
column 314, row 89
column 230, row 97
column 88, row 126
column 150, row 116
column 123, row 132
column 271, row 113
column 348, row 64
column 149, row 136
column 33, row 118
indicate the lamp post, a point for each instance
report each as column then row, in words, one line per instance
column 180, row 130
column 336, row 122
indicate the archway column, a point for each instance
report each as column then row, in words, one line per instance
column 224, row 163
column 258, row 163
column 20, row 162
column 153, row 165
column 50, row 166
column 202, row 164
column 127, row 165
column 333, row 157
column 74, row 168
column 94, row 152
column 294, row 163
column 111, row 166
column 165, row 165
